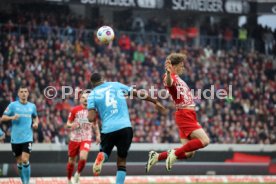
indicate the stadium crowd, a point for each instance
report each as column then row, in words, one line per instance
column 39, row 62
column 248, row 117
column 46, row 20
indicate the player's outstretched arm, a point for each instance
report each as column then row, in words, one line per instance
column 9, row 118
column 143, row 96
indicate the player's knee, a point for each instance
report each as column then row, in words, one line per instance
column 25, row 160
column 71, row 160
column 83, row 157
column 205, row 141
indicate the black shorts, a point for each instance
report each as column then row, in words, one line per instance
column 121, row 139
column 17, row 149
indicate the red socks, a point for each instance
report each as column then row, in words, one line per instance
column 192, row 145
column 81, row 165
column 70, row 170
column 182, row 156
column 164, row 155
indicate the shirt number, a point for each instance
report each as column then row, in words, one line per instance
column 110, row 100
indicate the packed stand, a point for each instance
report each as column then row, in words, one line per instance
column 248, row 117
column 57, row 21
column 68, row 60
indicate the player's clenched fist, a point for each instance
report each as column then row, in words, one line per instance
column 35, row 125
column 168, row 66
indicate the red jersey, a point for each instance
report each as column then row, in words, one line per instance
column 180, row 92
column 83, row 130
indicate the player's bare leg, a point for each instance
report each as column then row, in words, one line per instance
column 199, row 139
column 154, row 157
column 121, row 170
column 82, row 161
column 70, row 169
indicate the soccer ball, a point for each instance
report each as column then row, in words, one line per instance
column 105, row 34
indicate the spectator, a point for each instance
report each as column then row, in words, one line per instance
column 124, row 43
column 248, row 117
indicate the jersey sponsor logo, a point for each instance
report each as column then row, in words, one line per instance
column 83, row 120
column 84, row 130
column 81, row 116
column 25, row 115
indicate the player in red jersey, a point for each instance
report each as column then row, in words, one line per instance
column 191, row 134
column 80, row 138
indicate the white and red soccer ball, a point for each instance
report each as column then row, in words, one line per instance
column 105, row 34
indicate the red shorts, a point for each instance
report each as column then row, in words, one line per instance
column 75, row 147
column 186, row 122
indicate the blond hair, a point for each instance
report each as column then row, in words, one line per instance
column 176, row 58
